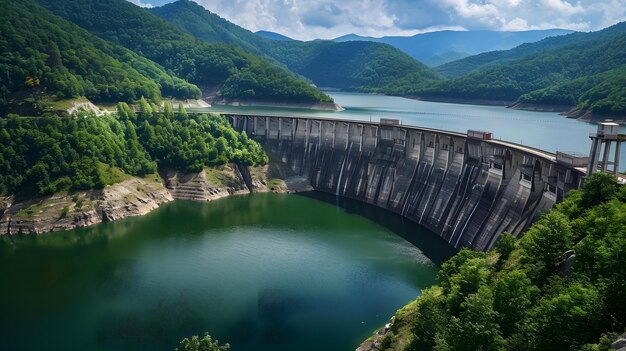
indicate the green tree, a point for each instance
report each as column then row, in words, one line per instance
column 430, row 320
column 567, row 320
column 476, row 328
column 181, row 110
column 146, row 109
column 206, row 343
column 168, row 111
column 473, row 274
column 506, row 245
column 544, row 244
column 598, row 189
column 514, row 295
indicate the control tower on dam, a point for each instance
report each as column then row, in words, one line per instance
column 465, row 187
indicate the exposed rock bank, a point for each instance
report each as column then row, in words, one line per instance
column 138, row 196
column 540, row 107
column 132, row 197
column 326, row 106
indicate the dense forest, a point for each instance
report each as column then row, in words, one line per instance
column 531, row 293
column 49, row 154
column 583, row 69
column 41, row 53
column 358, row 66
column 236, row 73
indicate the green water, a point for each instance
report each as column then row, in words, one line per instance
column 263, row 272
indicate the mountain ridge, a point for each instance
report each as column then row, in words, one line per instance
column 357, row 66
column 433, row 48
column 236, row 73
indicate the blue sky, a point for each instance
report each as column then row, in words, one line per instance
column 310, row 19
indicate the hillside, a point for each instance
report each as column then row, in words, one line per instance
column 559, row 287
column 45, row 58
column 235, row 73
column 585, row 73
column 271, row 35
column 57, row 154
column 359, row 66
column 436, row 48
column 488, row 59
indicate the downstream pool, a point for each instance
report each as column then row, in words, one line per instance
column 262, row 271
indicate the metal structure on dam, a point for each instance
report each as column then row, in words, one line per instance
column 466, row 188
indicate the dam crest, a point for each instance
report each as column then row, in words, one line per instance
column 466, row 188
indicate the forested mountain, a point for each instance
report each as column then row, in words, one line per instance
column 271, row 35
column 488, row 59
column 43, row 56
column 436, row 48
column 360, row 66
column 236, row 73
column 589, row 72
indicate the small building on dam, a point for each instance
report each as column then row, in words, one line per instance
column 467, row 188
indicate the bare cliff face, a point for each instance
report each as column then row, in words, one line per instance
column 138, row 196
column 132, row 197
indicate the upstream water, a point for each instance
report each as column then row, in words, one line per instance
column 262, row 271
column 544, row 130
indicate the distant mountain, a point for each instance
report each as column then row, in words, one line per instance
column 229, row 70
column 482, row 61
column 587, row 70
column 272, row 35
column 44, row 58
column 359, row 66
column 436, row 48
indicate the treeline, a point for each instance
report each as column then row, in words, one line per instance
column 49, row 154
column 42, row 53
column 562, row 286
column 234, row 72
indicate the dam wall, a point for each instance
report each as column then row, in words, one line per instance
column 466, row 189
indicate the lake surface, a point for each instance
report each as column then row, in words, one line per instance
column 261, row 271
column 544, row 130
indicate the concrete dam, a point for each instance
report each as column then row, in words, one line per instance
column 466, row 188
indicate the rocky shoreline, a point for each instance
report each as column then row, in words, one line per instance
column 564, row 110
column 139, row 196
column 325, row 106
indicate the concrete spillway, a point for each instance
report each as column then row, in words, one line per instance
column 466, row 189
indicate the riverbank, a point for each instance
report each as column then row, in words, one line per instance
column 324, row 106
column 588, row 116
column 484, row 102
column 568, row 111
column 138, row 196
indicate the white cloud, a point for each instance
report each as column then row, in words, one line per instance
column 141, row 4
column 564, row 7
column 516, row 24
column 306, row 19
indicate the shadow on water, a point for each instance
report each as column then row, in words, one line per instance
column 432, row 245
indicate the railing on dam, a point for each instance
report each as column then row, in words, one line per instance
column 467, row 189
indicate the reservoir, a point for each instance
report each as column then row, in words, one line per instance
column 544, row 130
column 261, row 271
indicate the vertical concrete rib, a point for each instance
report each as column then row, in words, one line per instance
column 445, row 181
